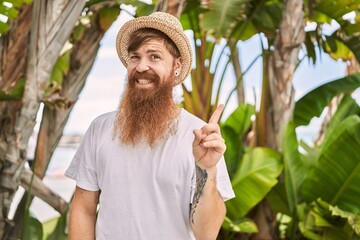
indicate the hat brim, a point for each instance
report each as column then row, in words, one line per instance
column 176, row 35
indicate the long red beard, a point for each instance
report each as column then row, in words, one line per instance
column 146, row 114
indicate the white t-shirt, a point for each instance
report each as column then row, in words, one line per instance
column 145, row 192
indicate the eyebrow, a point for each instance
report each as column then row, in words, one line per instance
column 147, row 51
column 153, row 51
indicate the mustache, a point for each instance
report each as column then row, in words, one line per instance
column 148, row 75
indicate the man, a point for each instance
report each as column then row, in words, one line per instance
column 150, row 170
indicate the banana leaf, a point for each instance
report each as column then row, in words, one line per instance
column 336, row 9
column 32, row 228
column 59, row 232
column 256, row 176
column 347, row 107
column 233, row 131
column 294, row 168
column 336, row 176
column 313, row 103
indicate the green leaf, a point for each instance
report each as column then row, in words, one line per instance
column 268, row 16
column 243, row 225
column 277, row 199
column 337, row 49
column 9, row 12
column 336, row 234
column 348, row 106
column 255, row 177
column 321, row 221
column 16, row 93
column 351, row 29
column 353, row 219
column 313, row 103
column 294, row 168
column 142, row 8
column 262, row 16
column 107, row 16
column 61, row 68
column 233, row 131
column 336, row 9
column 350, row 42
column 335, row 177
column 222, row 15
column 63, row 63
column 32, row 228
column 310, row 154
column 4, row 27
column 190, row 17
column 240, row 119
column 320, row 18
column 78, row 32
column 310, row 47
column 15, row 3
column 59, row 231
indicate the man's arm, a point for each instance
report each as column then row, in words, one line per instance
column 83, row 215
column 208, row 209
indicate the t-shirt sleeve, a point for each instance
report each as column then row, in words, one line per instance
column 82, row 168
column 223, row 182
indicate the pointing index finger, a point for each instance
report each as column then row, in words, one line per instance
column 215, row 117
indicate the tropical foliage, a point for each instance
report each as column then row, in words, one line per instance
column 281, row 175
column 9, row 10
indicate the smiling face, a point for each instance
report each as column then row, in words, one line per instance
column 152, row 65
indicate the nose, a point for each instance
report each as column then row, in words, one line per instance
column 142, row 65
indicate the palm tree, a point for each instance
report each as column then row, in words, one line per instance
column 35, row 68
column 49, row 74
column 42, row 30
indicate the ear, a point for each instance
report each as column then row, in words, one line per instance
column 178, row 65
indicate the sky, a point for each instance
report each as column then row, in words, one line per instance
column 105, row 82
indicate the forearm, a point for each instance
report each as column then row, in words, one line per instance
column 83, row 215
column 81, row 225
column 208, row 208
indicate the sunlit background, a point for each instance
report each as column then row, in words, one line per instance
column 105, row 84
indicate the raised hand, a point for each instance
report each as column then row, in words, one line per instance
column 208, row 144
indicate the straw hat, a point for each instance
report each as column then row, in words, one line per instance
column 165, row 23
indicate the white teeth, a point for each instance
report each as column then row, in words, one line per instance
column 142, row 81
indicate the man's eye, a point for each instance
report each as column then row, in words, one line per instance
column 133, row 57
column 154, row 56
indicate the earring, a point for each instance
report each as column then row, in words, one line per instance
column 176, row 73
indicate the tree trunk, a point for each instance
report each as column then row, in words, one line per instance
column 235, row 60
column 174, row 7
column 282, row 65
column 54, row 118
column 82, row 58
column 13, row 50
column 49, row 31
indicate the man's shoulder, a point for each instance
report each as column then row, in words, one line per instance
column 104, row 118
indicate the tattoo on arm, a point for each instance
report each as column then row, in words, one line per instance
column 201, row 177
